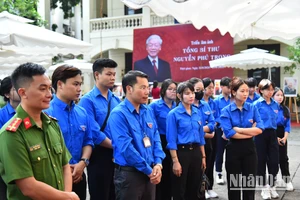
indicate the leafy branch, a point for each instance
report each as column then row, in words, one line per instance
column 66, row 6
column 23, row 8
column 295, row 56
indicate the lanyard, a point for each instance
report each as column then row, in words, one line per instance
column 138, row 117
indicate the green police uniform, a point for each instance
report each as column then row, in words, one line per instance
column 29, row 151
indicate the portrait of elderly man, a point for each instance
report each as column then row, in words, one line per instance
column 290, row 86
column 156, row 68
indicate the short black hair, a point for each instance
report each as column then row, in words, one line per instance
column 155, row 84
column 5, row 87
column 207, row 81
column 130, row 78
column 225, row 81
column 183, row 86
column 23, row 74
column 102, row 63
column 251, row 82
column 164, row 86
column 64, row 72
column 195, row 80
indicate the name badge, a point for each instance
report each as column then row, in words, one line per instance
column 147, row 142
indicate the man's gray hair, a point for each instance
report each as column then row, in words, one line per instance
column 154, row 37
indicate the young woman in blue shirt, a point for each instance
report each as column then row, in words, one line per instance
column 161, row 108
column 208, row 97
column 267, row 143
column 208, row 122
column 185, row 140
column 283, row 130
column 240, row 122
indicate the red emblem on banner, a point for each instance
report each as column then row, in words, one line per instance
column 27, row 123
column 13, row 126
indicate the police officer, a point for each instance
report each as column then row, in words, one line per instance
column 266, row 143
column 74, row 122
column 185, row 138
column 136, row 143
column 161, row 108
column 240, row 121
column 34, row 161
column 208, row 122
column 98, row 103
column 221, row 101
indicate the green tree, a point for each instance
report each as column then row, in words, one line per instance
column 295, row 56
column 24, row 8
column 66, row 6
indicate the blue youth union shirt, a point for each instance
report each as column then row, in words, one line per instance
column 183, row 128
column 232, row 116
column 161, row 110
column 96, row 106
column 255, row 97
column 268, row 112
column 206, row 115
column 129, row 129
column 6, row 113
column 283, row 121
column 221, row 103
column 74, row 124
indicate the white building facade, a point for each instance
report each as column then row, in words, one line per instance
column 109, row 25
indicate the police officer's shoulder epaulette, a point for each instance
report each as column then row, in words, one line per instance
column 53, row 118
column 14, row 125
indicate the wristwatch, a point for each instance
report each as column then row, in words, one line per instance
column 86, row 161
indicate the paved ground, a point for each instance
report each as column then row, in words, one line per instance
column 294, row 156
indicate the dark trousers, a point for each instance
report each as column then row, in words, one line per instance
column 267, row 153
column 240, row 164
column 186, row 186
column 3, row 189
column 283, row 157
column 164, row 189
column 210, row 151
column 100, row 174
column 220, row 147
column 133, row 185
column 80, row 188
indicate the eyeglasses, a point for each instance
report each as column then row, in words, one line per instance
column 172, row 89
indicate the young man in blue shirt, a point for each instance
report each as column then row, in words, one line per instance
column 222, row 101
column 253, row 96
column 98, row 103
column 136, row 142
column 73, row 121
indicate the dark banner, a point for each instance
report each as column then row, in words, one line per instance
column 180, row 52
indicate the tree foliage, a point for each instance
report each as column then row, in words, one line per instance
column 294, row 55
column 66, row 6
column 24, row 8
